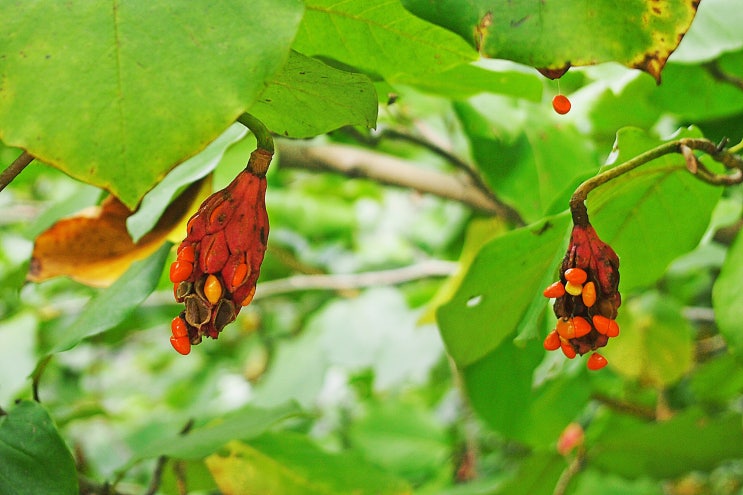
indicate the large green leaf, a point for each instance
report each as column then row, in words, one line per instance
column 289, row 463
column 34, row 457
column 502, row 291
column 306, row 98
column 569, row 33
column 687, row 442
column 115, row 94
column 727, row 298
column 378, row 37
column 501, row 389
column 652, row 214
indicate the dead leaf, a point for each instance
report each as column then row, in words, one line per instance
column 94, row 247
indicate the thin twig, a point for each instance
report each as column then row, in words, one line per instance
column 714, row 69
column 425, row 269
column 15, row 168
column 575, row 467
column 729, row 160
column 353, row 161
column 157, row 474
column 507, row 212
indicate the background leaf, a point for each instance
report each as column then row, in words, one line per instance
column 123, row 93
column 557, row 37
column 307, row 98
column 378, row 37
column 289, row 463
column 35, row 458
column 727, row 298
column 494, row 300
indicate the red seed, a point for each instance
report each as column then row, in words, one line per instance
column 606, row 326
column 180, row 271
column 589, row 294
column 186, row 253
column 555, row 290
column 565, row 328
column 241, row 274
column 581, row 327
column 178, row 327
column 249, row 297
column 561, row 104
column 576, row 275
column 552, row 341
column 568, row 350
column 596, row 362
column 181, row 344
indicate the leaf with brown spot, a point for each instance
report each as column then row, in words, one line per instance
column 553, row 36
column 94, row 247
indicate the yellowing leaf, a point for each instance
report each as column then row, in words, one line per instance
column 94, row 246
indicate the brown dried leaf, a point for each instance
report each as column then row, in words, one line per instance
column 94, row 246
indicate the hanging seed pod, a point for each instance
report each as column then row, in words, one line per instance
column 589, row 276
column 218, row 263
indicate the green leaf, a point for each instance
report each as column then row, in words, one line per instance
column 727, row 298
column 289, row 463
column 115, row 95
column 502, row 291
column 656, row 345
column 530, row 166
column 501, row 389
column 113, row 304
column 34, row 457
column 537, row 475
column 197, row 167
column 401, row 438
column 689, row 441
column 17, row 361
column 716, row 29
column 659, row 207
column 378, row 37
column 307, row 98
column 571, row 33
column 243, row 424
column 468, row 80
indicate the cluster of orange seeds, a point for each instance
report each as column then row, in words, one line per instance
column 586, row 298
column 218, row 263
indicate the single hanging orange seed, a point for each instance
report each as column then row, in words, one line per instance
column 212, row 289
column 555, row 290
column 596, row 362
column 552, row 341
column 561, row 104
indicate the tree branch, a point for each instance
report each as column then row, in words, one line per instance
column 714, row 69
column 15, row 168
column 424, row 269
column 357, row 162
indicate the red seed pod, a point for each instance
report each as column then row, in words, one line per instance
column 555, row 290
column 596, row 361
column 219, row 262
column 561, row 104
column 552, row 341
